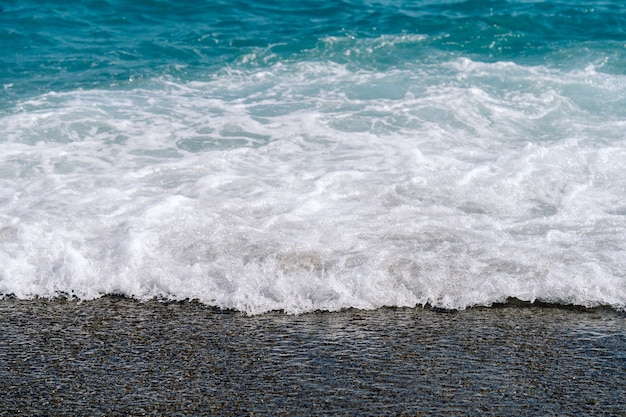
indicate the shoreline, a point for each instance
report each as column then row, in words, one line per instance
column 511, row 302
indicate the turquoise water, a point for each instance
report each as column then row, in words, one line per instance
column 54, row 46
column 314, row 155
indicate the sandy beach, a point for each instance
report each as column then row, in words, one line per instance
column 117, row 356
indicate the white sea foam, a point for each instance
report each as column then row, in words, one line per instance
column 309, row 186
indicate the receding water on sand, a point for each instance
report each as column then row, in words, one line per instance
column 118, row 356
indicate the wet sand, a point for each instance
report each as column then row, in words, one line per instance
column 119, row 357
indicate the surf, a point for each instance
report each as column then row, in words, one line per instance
column 340, row 165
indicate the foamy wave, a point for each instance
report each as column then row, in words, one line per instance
column 311, row 186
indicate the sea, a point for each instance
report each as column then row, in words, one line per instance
column 314, row 155
column 316, row 207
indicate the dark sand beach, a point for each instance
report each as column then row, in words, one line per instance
column 117, row 356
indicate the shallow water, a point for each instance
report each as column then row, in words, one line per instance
column 116, row 356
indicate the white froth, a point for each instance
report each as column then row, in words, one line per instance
column 309, row 186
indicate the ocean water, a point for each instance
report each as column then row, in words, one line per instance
column 314, row 155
